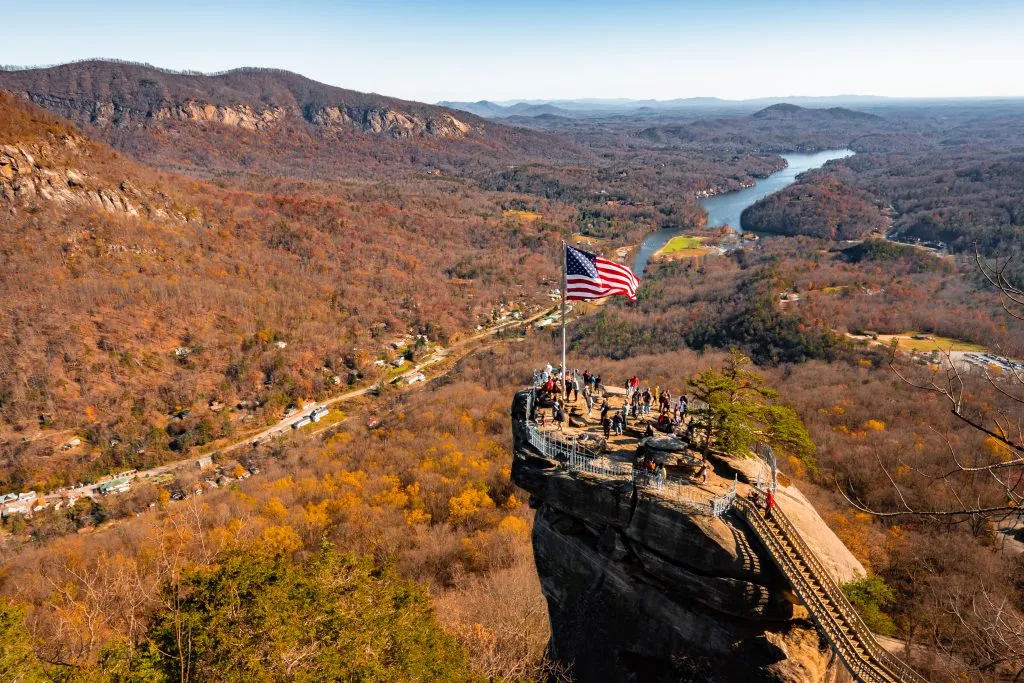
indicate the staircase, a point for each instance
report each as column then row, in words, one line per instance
column 856, row 646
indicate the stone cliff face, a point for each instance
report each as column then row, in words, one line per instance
column 34, row 174
column 390, row 122
column 27, row 177
column 241, row 116
column 366, row 119
column 641, row 589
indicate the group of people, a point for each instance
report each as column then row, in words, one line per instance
column 559, row 387
column 641, row 401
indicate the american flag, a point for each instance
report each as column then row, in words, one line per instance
column 588, row 276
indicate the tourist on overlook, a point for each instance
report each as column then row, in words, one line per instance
column 660, row 474
column 588, row 397
column 702, row 473
column 606, row 424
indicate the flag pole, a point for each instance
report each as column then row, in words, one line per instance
column 565, row 280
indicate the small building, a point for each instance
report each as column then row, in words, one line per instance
column 204, row 462
column 115, row 486
column 398, row 362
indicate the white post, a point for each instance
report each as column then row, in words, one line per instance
column 565, row 279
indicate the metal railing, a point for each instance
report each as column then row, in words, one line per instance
column 852, row 640
column 575, row 456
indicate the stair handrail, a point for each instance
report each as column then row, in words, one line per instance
column 864, row 635
column 839, row 597
column 858, row 664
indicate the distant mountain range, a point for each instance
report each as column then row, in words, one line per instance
column 596, row 107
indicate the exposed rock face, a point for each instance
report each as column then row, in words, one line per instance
column 366, row 119
column 32, row 174
column 640, row 589
column 240, row 116
column 26, row 177
column 389, row 122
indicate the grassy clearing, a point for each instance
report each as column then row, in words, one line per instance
column 683, row 246
column 683, row 243
column 931, row 342
column 523, row 215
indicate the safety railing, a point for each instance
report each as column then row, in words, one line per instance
column 852, row 640
column 574, row 455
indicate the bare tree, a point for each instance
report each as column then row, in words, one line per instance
column 985, row 486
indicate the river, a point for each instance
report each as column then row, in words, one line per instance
column 725, row 208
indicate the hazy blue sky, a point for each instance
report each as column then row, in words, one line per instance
column 498, row 50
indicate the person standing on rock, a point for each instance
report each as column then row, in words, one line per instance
column 559, row 413
column 588, row 398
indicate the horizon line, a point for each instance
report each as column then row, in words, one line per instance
column 597, row 101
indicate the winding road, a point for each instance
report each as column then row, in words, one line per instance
column 283, row 427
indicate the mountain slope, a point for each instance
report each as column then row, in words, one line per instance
column 270, row 122
column 109, row 268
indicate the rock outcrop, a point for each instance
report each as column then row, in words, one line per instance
column 240, row 116
column 44, row 162
column 640, row 588
column 26, row 177
column 391, row 122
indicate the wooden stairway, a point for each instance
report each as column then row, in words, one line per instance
column 856, row 646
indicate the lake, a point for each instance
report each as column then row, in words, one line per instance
column 725, row 208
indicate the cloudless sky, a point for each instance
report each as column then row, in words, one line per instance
column 534, row 49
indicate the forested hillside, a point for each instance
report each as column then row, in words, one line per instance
column 827, row 208
column 110, row 268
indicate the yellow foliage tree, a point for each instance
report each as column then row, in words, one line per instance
column 468, row 503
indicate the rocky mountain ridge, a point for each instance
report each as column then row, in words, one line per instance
column 121, row 95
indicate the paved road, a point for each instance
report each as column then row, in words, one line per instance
column 283, row 427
